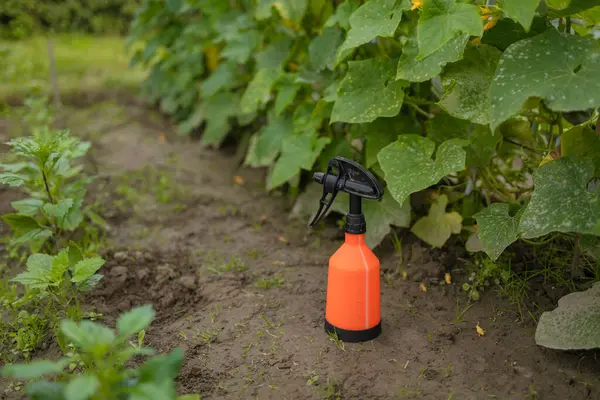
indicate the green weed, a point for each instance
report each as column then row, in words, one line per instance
column 103, row 354
column 218, row 265
column 331, row 391
column 276, row 281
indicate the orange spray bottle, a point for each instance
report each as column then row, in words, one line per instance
column 353, row 298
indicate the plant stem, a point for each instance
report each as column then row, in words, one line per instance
column 47, row 187
column 536, row 151
column 418, row 109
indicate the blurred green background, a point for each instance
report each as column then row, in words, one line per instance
column 88, row 41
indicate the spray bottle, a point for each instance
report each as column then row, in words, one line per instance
column 353, row 298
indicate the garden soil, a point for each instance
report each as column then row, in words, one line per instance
column 240, row 286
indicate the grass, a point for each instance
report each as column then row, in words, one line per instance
column 84, row 63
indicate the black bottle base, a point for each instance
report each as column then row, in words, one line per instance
column 354, row 336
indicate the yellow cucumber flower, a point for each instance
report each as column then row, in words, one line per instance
column 416, row 4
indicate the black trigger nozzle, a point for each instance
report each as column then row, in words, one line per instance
column 318, row 177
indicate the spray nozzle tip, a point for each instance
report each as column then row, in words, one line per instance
column 319, row 177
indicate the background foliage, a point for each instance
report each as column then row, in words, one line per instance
column 437, row 97
column 22, row 18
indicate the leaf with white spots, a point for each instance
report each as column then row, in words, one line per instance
column 437, row 227
column 561, row 201
column 466, row 84
column 506, row 32
column 581, row 141
column 482, row 140
column 420, row 70
column 562, row 70
column 521, row 11
column 372, row 19
column 408, row 166
column 574, row 324
column 496, row 228
column 442, row 20
column 368, row 91
column 258, row 92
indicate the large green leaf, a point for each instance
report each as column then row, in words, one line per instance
column 374, row 18
column 74, row 216
column 466, row 84
column 382, row 132
column 506, row 32
column 34, row 369
column 323, row 48
column 39, row 262
column 569, row 7
column 84, row 269
column 37, row 275
column 521, row 11
column 442, row 20
column 368, row 91
column 27, row 230
column 342, row 15
column 29, row 207
column 437, row 227
column 12, row 180
column 287, row 89
column 291, row 10
column 58, row 210
column 217, row 110
column 497, row 229
column 561, row 69
column 223, row 77
column 163, row 367
column 482, row 144
column 81, row 387
column 412, row 69
column 582, row 141
column 135, row 320
column 561, row 201
column 574, row 324
column 275, row 54
column 60, row 264
column 258, row 92
column 297, row 152
column 20, row 223
column 408, row 166
column 266, row 144
column 241, row 47
column 45, row 390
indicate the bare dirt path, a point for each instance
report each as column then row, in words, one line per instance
column 241, row 288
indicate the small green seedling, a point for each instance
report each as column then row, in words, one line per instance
column 44, row 167
column 103, row 355
column 276, row 281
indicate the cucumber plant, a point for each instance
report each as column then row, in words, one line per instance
column 485, row 113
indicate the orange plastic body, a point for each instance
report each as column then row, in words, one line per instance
column 353, row 297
